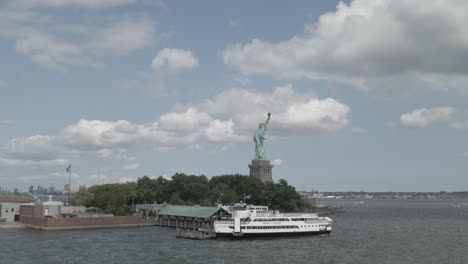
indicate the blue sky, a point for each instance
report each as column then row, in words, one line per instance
column 364, row 95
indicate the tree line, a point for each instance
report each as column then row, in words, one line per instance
column 182, row 189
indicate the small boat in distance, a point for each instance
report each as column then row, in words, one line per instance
column 250, row 221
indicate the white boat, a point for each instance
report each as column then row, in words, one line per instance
column 249, row 221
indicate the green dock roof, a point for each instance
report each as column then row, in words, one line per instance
column 189, row 211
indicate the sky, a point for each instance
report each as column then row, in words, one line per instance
column 364, row 95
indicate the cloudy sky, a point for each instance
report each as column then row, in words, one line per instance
column 364, row 95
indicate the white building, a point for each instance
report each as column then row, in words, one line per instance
column 9, row 212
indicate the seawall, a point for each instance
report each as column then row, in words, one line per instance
column 84, row 222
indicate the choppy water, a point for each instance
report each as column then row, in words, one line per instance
column 376, row 231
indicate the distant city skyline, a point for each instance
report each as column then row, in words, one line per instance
column 364, row 95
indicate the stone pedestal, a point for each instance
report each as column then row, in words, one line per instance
column 261, row 169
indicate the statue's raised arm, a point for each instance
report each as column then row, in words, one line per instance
column 268, row 119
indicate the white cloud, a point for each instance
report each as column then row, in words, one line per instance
column 424, row 117
column 292, row 114
column 226, row 147
column 64, row 175
column 387, row 46
column 52, row 43
column 48, row 51
column 115, row 154
column 358, row 130
column 194, row 147
column 63, row 3
column 39, row 151
column 218, row 130
column 32, row 163
column 6, row 122
column 189, row 120
column 132, row 167
column 228, row 118
column 174, row 60
column 124, row 36
column 277, row 162
column 37, row 147
column 121, row 134
column 101, row 134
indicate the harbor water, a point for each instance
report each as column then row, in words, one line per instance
column 368, row 231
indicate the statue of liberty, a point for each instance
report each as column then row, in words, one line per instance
column 260, row 140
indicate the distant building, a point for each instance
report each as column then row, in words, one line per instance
column 47, row 209
column 66, row 189
column 9, row 212
column 52, row 215
column 31, row 189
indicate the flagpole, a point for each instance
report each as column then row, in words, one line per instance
column 69, row 184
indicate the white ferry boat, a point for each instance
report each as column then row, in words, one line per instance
column 249, row 221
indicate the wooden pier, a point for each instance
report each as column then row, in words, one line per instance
column 195, row 234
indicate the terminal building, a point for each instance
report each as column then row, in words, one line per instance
column 9, row 212
column 194, row 222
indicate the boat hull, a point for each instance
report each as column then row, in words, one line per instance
column 270, row 235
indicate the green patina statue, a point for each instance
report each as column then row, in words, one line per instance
column 260, row 140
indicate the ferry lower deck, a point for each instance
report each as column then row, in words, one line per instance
column 270, row 235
